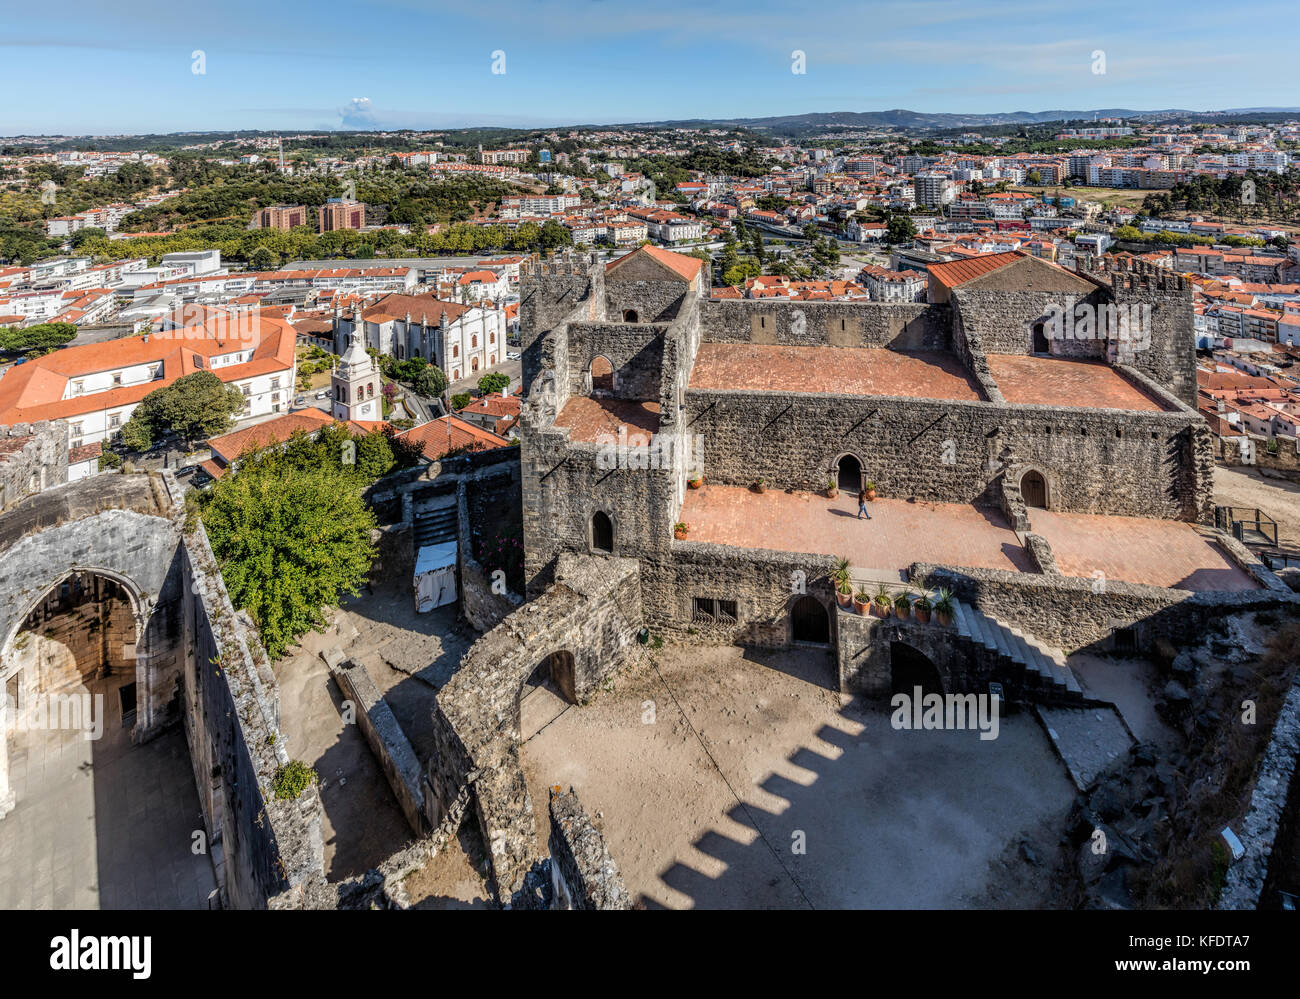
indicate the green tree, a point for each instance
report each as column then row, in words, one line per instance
column 42, row 336
column 430, row 381
column 290, row 540
column 899, row 229
column 493, row 382
column 460, row 400
column 194, row 407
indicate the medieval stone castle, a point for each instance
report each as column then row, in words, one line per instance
column 1058, row 483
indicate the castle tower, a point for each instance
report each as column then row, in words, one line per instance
column 357, row 392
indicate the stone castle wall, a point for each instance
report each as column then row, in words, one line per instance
column 899, row 325
column 1096, row 461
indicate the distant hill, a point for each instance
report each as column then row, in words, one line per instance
column 903, row 119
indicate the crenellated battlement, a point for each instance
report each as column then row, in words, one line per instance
column 1129, row 274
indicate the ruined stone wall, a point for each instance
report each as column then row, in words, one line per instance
column 1074, row 614
column 899, row 325
column 764, row 585
column 1286, row 461
column 635, row 350
column 653, row 301
column 583, row 874
column 1095, row 461
column 865, row 656
column 1170, row 358
column 136, row 549
column 386, row 739
column 593, row 613
column 1002, row 319
column 33, row 456
column 269, row 848
column 564, row 487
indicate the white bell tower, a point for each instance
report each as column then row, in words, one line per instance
column 357, row 390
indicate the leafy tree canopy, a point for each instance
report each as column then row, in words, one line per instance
column 194, row 407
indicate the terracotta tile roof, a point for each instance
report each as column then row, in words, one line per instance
column 394, row 306
column 85, row 452
column 953, row 273
column 435, row 439
column 229, row 447
column 680, row 264
column 34, row 391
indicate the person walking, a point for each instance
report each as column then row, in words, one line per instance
column 862, row 505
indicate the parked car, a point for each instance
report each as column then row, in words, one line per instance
column 300, row 401
column 322, row 394
column 512, row 355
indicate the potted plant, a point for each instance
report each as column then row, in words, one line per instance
column 695, row 480
column 903, row 605
column 881, row 601
column 832, row 490
column 760, row 485
column 921, row 608
column 861, row 601
column 843, row 588
column 943, row 607
column 870, row 488
column 680, row 531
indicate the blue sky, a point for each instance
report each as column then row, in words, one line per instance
column 293, row 64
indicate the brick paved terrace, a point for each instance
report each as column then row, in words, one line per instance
column 1055, row 381
column 898, row 534
column 1131, row 549
column 1139, row 550
column 587, row 419
column 832, row 370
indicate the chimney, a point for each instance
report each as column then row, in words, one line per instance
column 442, row 320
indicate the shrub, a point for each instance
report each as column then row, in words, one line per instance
column 292, row 779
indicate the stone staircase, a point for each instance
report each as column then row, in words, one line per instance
column 1041, row 666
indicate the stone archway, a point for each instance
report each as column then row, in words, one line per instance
column 1033, row 488
column 910, row 668
column 848, row 473
column 602, row 533
column 548, row 692
column 809, row 621
column 602, row 376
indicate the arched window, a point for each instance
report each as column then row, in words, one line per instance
column 455, row 350
column 602, row 533
column 455, row 375
column 492, row 338
column 629, row 316
column 473, row 364
column 602, row 376
column 473, row 341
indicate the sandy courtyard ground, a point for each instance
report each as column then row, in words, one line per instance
column 707, row 768
column 1280, row 499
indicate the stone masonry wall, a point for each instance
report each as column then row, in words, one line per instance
column 271, row 849
column 583, row 874
column 1096, row 461
column 386, row 740
column 635, row 350
column 900, row 325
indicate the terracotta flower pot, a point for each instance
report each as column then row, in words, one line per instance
column 902, row 613
column 760, row 487
column 695, row 483
column 944, row 619
column 679, row 535
column 860, row 607
column 880, row 610
column 832, row 493
column 843, row 599
column 922, row 614
column 871, row 494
